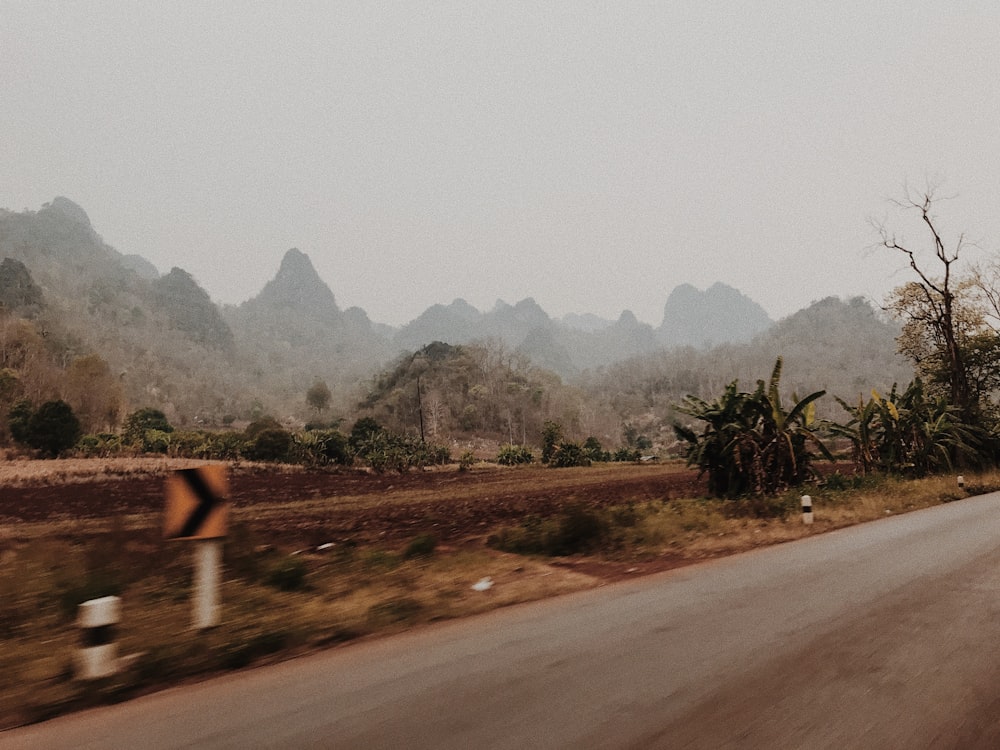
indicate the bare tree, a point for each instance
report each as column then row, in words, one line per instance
column 929, row 304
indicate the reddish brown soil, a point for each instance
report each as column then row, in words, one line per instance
column 452, row 505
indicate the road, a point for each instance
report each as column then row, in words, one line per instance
column 880, row 636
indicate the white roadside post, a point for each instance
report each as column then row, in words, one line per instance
column 207, row 578
column 98, row 654
column 961, row 482
column 807, row 510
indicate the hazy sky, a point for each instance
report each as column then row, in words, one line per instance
column 592, row 155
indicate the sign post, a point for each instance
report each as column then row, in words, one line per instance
column 207, row 576
column 198, row 509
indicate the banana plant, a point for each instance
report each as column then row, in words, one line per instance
column 749, row 443
column 908, row 433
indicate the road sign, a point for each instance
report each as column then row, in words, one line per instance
column 197, row 503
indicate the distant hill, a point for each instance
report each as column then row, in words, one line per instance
column 60, row 248
column 189, row 309
column 142, row 267
column 456, row 323
column 624, row 338
column 18, row 291
column 293, row 332
column 719, row 315
column 565, row 349
column 846, row 347
column 162, row 336
column 843, row 347
column 587, row 322
column 297, row 289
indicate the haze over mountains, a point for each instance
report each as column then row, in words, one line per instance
column 173, row 345
column 296, row 300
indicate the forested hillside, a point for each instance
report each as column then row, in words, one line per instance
column 843, row 347
column 109, row 334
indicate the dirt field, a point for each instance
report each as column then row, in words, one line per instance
column 298, row 507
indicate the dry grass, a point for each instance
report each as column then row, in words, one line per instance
column 833, row 510
column 21, row 471
column 347, row 593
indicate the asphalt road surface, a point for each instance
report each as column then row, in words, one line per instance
column 886, row 635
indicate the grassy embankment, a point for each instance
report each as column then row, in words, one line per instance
column 276, row 604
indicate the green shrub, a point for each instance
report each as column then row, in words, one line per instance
column 626, row 454
column 271, row 445
column 387, row 451
column 225, row 446
column 155, row 441
column 379, row 561
column 287, row 574
column 438, row 455
column 261, row 424
column 551, row 435
column 580, row 530
column 421, row 546
column 576, row 530
column 568, row 454
column 513, row 455
column 530, row 537
column 625, row 515
column 362, row 432
column 17, row 420
column 321, row 447
column 139, row 422
column 750, row 445
column 53, row 428
column 335, row 448
column 592, row 449
column 100, row 445
column 187, row 444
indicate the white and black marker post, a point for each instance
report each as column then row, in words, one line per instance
column 807, row 509
column 197, row 509
column 98, row 654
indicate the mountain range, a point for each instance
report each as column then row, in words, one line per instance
column 172, row 343
column 61, row 251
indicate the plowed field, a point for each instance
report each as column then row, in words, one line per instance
column 302, row 507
